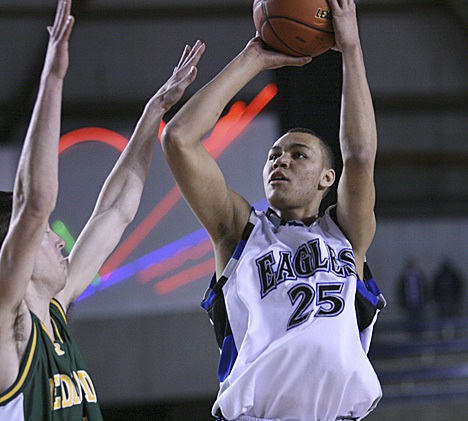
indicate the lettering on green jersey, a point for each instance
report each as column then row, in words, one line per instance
column 66, row 391
column 58, row 349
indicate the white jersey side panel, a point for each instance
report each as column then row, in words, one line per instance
column 13, row 410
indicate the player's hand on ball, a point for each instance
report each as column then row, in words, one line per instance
column 272, row 59
column 344, row 24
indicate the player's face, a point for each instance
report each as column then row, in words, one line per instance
column 293, row 175
column 50, row 264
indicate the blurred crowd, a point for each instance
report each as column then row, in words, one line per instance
column 440, row 295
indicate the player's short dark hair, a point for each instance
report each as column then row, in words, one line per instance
column 6, row 209
column 325, row 145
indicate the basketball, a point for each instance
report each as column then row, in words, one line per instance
column 295, row 27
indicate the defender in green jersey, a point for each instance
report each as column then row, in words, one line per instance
column 42, row 373
column 53, row 382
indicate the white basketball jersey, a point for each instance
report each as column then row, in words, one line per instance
column 287, row 325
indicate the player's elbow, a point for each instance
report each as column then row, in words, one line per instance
column 173, row 137
column 121, row 209
column 362, row 157
column 360, row 165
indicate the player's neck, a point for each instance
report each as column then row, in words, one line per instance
column 43, row 313
column 291, row 215
column 49, row 328
column 40, row 307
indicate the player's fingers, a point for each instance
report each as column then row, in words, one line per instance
column 185, row 53
column 64, row 15
column 67, row 7
column 346, row 3
column 334, row 5
column 66, row 31
column 189, row 77
column 302, row 61
column 177, row 89
column 58, row 13
column 62, row 27
column 192, row 59
column 195, row 53
column 296, row 61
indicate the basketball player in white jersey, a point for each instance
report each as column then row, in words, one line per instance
column 293, row 302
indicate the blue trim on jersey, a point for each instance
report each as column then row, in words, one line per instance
column 228, row 358
column 367, row 293
column 373, row 287
column 213, row 281
column 239, row 249
column 370, row 291
column 208, row 301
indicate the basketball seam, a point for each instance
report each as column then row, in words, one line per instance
column 300, row 53
column 276, row 35
column 279, row 38
column 268, row 18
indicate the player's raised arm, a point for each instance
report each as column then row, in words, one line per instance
column 34, row 196
column 358, row 135
column 120, row 196
column 222, row 212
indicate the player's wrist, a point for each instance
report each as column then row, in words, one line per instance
column 251, row 61
column 351, row 47
column 156, row 106
column 52, row 78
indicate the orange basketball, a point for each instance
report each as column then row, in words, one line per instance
column 295, row 27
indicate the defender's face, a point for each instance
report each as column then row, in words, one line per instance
column 293, row 171
column 50, row 264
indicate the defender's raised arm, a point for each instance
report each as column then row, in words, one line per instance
column 120, row 196
column 33, row 200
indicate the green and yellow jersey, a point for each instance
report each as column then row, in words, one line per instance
column 53, row 383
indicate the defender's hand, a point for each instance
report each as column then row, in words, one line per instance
column 182, row 76
column 56, row 61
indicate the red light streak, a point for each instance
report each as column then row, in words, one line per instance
column 162, row 268
column 90, row 134
column 185, row 277
column 231, row 126
column 161, row 128
column 228, row 128
column 140, row 232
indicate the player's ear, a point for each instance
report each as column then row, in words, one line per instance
column 328, row 178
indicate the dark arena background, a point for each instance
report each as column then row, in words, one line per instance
column 146, row 340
